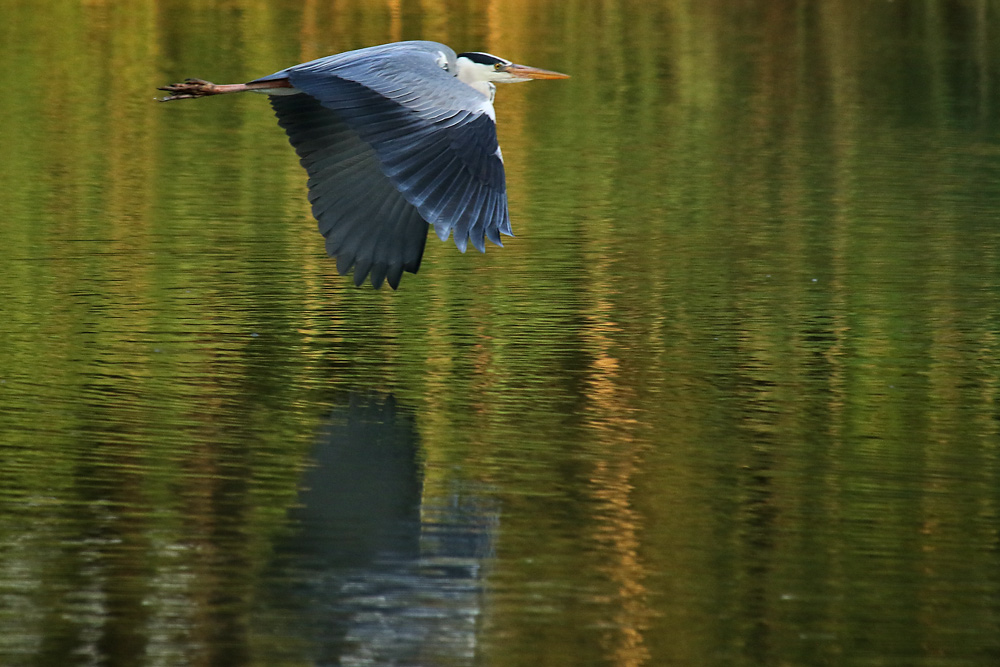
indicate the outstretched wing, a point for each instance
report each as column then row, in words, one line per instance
column 432, row 137
column 367, row 223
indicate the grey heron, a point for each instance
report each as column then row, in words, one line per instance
column 393, row 138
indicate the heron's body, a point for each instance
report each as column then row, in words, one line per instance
column 394, row 138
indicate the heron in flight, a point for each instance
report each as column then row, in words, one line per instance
column 394, row 138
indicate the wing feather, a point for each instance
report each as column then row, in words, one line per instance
column 429, row 130
column 392, row 143
column 367, row 223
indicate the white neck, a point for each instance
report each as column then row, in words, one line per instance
column 485, row 88
column 480, row 77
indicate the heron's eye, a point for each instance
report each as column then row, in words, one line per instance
column 498, row 66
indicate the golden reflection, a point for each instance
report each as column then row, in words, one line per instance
column 435, row 21
column 309, row 32
column 395, row 20
column 619, row 527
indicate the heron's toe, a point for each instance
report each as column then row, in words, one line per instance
column 187, row 89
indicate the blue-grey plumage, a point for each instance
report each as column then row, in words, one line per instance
column 394, row 138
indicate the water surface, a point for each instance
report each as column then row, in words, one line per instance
column 729, row 397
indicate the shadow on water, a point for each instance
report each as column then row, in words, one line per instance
column 372, row 574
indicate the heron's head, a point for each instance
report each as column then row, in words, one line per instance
column 476, row 68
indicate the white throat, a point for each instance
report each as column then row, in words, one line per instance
column 480, row 77
column 485, row 88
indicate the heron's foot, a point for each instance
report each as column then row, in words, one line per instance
column 189, row 89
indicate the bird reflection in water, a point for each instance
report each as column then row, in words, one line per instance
column 373, row 574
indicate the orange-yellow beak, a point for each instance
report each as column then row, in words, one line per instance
column 525, row 72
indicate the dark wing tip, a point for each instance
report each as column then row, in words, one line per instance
column 369, row 226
